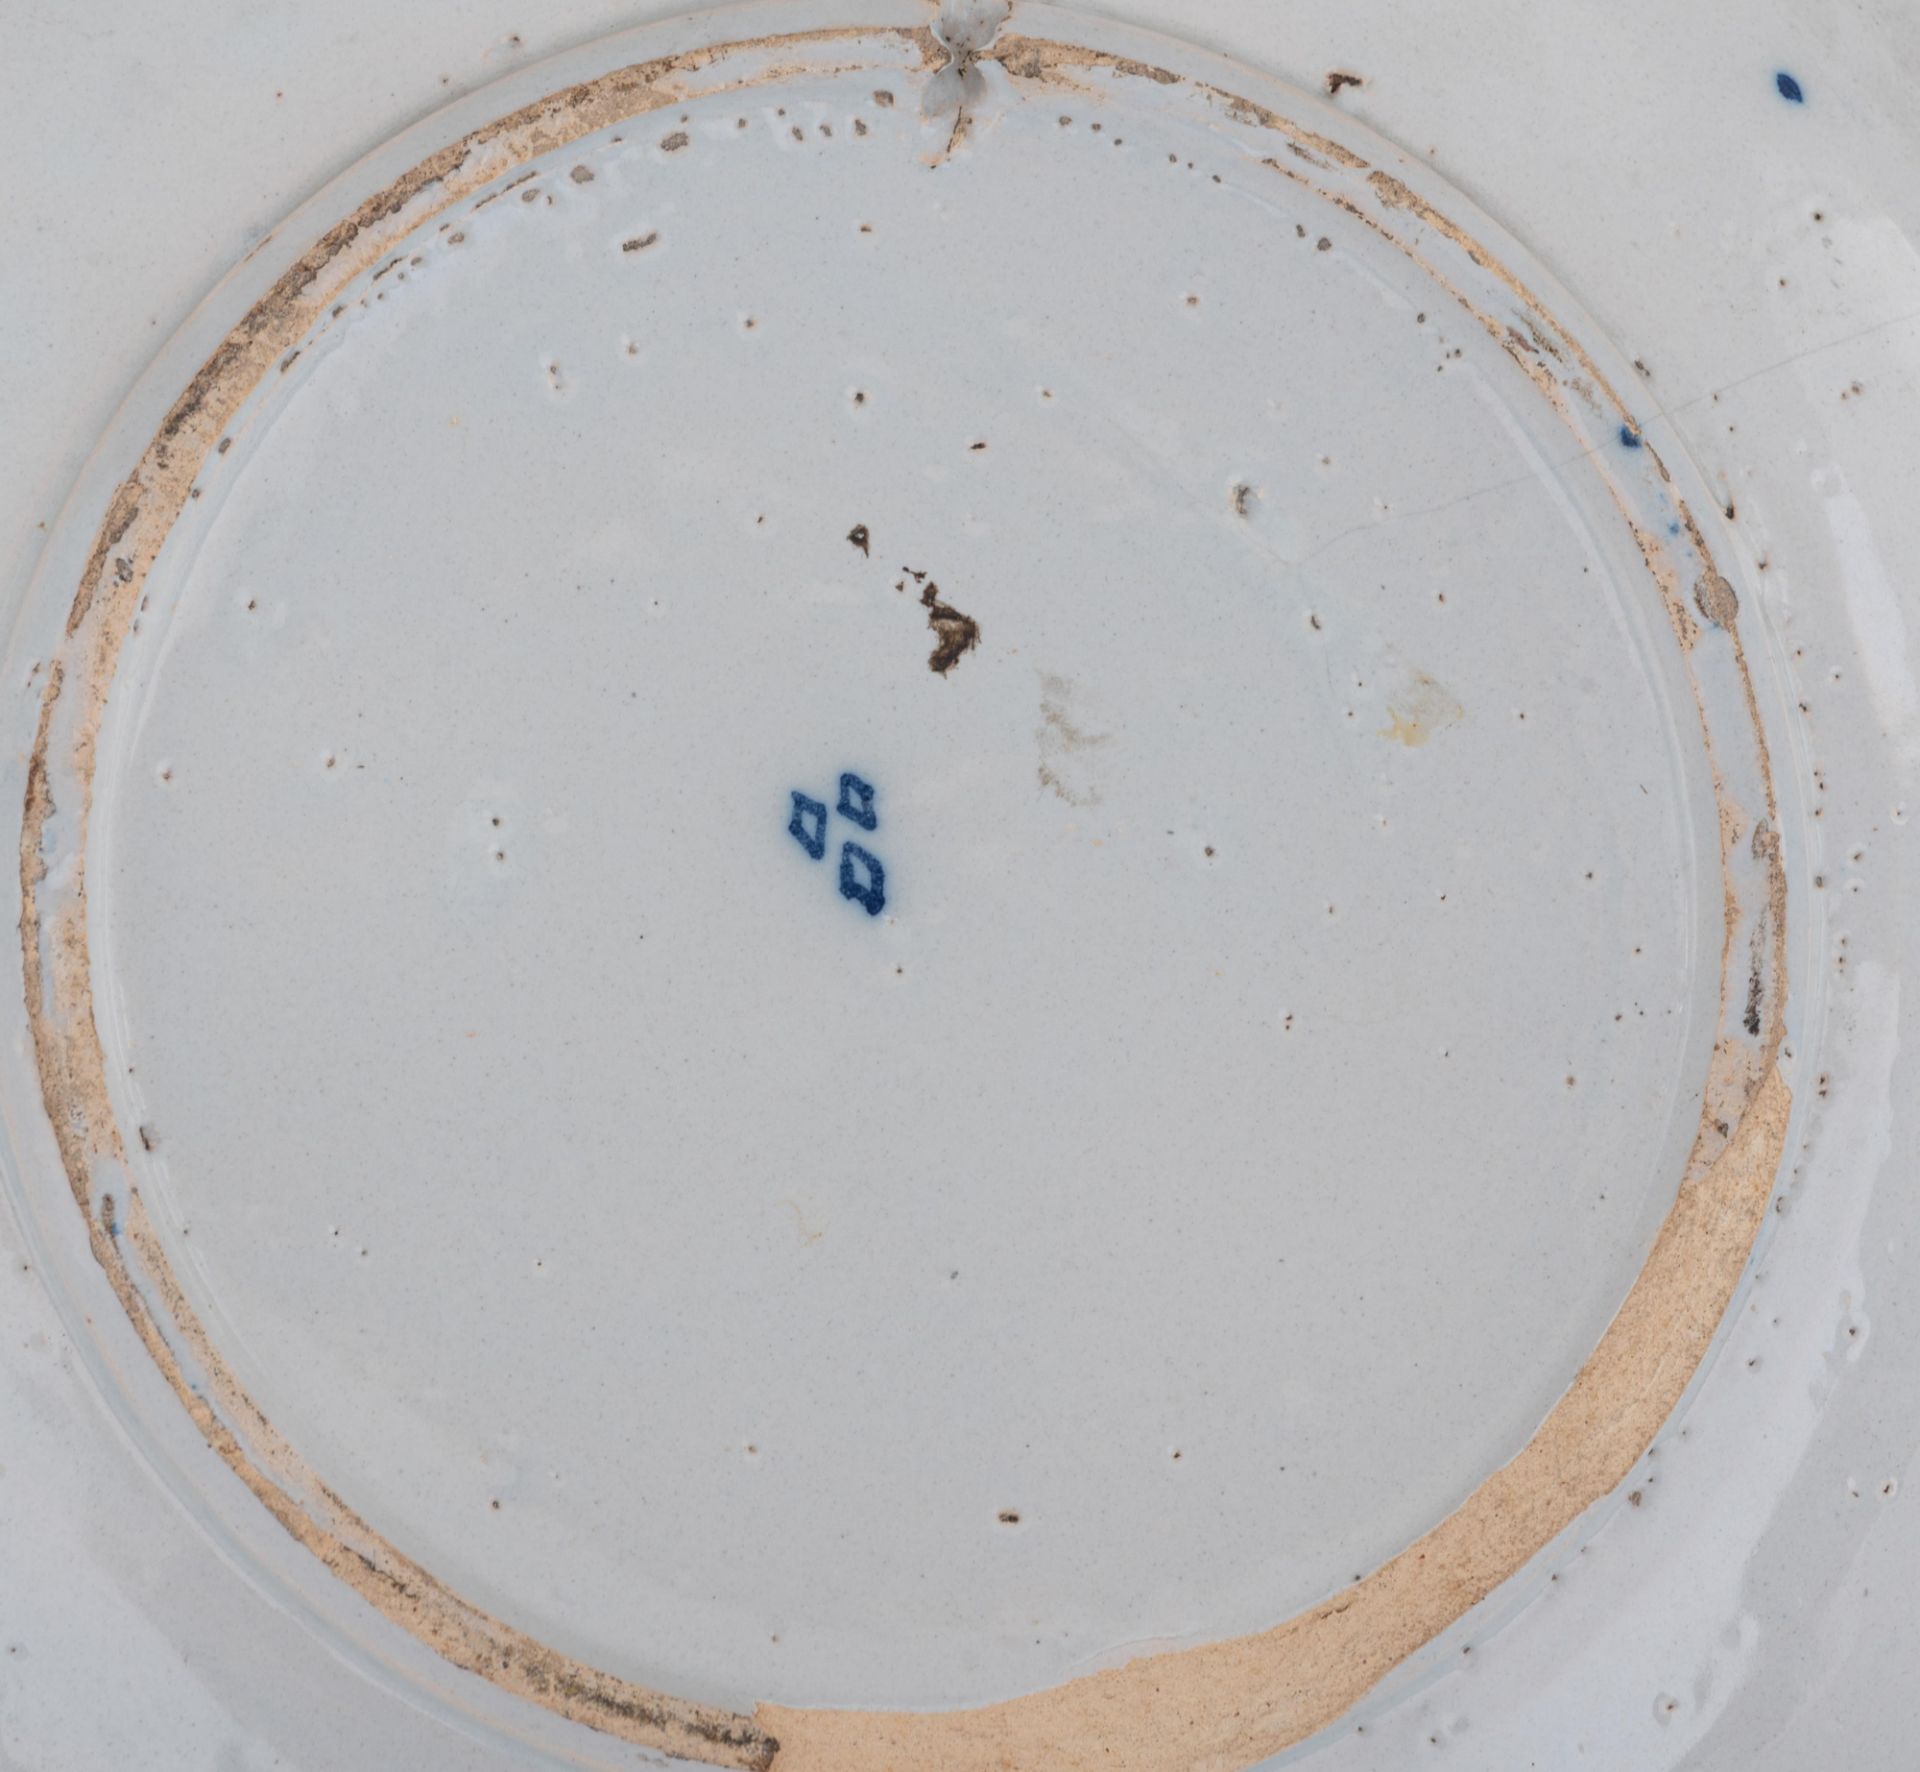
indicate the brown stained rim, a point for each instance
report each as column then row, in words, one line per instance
column 1220, row 1705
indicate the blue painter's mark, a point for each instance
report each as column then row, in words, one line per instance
column 813, row 841
column 1673, row 528
column 1629, row 437
column 1789, row 88
column 872, row 891
column 856, row 803
column 863, row 876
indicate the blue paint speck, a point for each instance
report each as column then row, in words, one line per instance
column 1673, row 528
column 1789, row 88
column 1629, row 437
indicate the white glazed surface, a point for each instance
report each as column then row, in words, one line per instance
column 1748, row 1608
column 615, row 1165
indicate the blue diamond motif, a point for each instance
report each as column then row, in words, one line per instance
column 813, row 841
column 856, row 803
column 872, row 891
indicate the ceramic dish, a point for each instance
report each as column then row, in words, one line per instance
column 936, row 889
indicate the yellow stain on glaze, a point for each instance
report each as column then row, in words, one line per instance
column 1419, row 711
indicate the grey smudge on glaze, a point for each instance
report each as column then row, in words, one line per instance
column 1061, row 738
